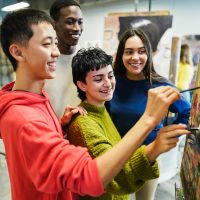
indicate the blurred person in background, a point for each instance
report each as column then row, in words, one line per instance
column 6, row 69
column 186, row 70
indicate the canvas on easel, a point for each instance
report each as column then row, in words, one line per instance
column 190, row 166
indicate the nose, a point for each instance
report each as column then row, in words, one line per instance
column 55, row 51
column 134, row 56
column 76, row 26
column 107, row 82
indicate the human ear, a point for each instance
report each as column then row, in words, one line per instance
column 81, row 85
column 54, row 24
column 16, row 52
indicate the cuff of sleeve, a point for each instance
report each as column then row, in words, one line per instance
column 141, row 164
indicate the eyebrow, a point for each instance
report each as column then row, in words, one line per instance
column 74, row 18
column 49, row 37
column 129, row 48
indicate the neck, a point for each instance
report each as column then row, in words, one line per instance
column 26, row 84
column 66, row 50
column 137, row 77
column 100, row 104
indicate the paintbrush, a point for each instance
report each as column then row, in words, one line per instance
column 190, row 89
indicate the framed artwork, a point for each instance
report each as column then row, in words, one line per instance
column 190, row 165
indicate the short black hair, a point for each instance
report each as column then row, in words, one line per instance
column 16, row 28
column 87, row 60
column 58, row 4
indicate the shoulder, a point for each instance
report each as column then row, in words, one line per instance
column 27, row 122
column 83, row 130
column 20, row 115
column 163, row 82
column 81, row 124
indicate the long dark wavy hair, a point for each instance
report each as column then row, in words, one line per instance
column 148, row 71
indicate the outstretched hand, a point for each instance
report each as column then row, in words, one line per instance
column 69, row 112
column 166, row 139
column 159, row 100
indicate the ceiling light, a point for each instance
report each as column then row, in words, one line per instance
column 15, row 6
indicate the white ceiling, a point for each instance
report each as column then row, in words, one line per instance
column 45, row 4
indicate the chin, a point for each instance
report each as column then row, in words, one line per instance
column 74, row 42
column 108, row 98
column 51, row 76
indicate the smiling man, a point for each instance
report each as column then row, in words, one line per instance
column 67, row 16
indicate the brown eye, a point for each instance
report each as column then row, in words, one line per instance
column 97, row 80
column 69, row 21
column 127, row 52
column 110, row 76
column 47, row 44
column 80, row 22
column 142, row 51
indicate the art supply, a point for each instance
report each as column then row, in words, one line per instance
column 190, row 89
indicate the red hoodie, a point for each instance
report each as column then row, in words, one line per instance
column 42, row 165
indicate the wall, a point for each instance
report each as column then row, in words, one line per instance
column 185, row 13
column 4, row 3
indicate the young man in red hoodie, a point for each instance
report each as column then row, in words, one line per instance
column 41, row 163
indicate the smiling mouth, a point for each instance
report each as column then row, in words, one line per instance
column 106, row 91
column 52, row 66
column 75, row 36
column 135, row 64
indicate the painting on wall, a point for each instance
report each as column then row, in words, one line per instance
column 190, row 166
column 156, row 25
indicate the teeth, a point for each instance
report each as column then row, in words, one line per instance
column 134, row 65
column 52, row 64
column 107, row 91
column 75, row 36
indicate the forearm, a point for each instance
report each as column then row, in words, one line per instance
column 122, row 151
column 134, row 173
column 158, row 102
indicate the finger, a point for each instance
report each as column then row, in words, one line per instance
column 171, row 141
column 172, row 145
column 171, row 94
column 68, row 115
column 74, row 111
column 82, row 110
column 161, row 89
column 167, row 90
column 172, row 127
column 177, row 133
column 69, row 107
